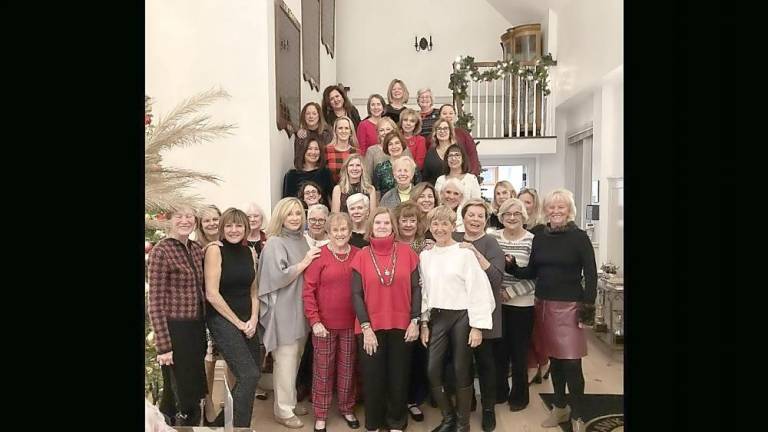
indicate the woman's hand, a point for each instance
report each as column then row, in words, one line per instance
column 412, row 332
column 319, row 330
column 429, row 244
column 370, row 344
column 475, row 338
column 510, row 259
column 312, row 253
column 424, row 335
column 301, row 133
column 504, row 295
column 468, row 245
column 251, row 326
column 165, row 359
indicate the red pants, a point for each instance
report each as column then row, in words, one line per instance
column 334, row 358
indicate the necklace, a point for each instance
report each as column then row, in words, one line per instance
column 349, row 248
column 388, row 273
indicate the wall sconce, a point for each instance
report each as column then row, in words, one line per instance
column 422, row 44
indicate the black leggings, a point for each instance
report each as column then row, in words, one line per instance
column 485, row 364
column 243, row 357
column 517, row 326
column 567, row 371
column 449, row 332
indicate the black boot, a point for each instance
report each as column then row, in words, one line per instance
column 463, row 407
column 446, row 408
column 489, row 419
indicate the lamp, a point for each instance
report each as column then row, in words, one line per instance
column 422, row 44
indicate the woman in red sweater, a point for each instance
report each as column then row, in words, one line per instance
column 387, row 299
column 410, row 125
column 328, row 306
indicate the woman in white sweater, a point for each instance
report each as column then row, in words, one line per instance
column 456, row 306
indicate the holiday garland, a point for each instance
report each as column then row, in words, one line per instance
column 464, row 70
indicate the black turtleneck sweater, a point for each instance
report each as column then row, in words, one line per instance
column 557, row 261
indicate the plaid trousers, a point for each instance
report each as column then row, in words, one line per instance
column 334, row 359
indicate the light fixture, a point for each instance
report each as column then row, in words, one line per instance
column 422, row 44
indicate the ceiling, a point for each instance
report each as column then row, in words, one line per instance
column 526, row 11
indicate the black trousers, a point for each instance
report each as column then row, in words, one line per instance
column 418, row 388
column 184, row 382
column 516, row 327
column 386, row 374
column 567, row 372
column 449, row 333
column 485, row 364
column 243, row 357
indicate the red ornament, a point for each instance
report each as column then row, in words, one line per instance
column 147, row 119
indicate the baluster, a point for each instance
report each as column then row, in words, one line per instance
column 543, row 114
column 534, row 108
column 526, row 107
column 494, row 108
column 510, row 113
column 470, row 99
column 517, row 107
column 485, row 118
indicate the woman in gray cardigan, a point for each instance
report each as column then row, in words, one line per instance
column 489, row 254
column 282, row 323
column 403, row 168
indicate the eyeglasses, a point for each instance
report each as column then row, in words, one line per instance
column 515, row 215
column 454, row 155
column 443, row 129
column 310, row 192
column 314, row 221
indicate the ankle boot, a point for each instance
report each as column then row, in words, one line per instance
column 448, row 424
column 577, row 425
column 463, row 407
column 489, row 419
column 557, row 416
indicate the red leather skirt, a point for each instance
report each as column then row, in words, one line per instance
column 556, row 330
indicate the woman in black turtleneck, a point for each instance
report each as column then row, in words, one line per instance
column 233, row 312
column 560, row 253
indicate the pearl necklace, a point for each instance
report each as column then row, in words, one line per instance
column 390, row 273
column 349, row 249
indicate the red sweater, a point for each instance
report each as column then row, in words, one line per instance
column 327, row 292
column 418, row 147
column 468, row 143
column 388, row 307
column 367, row 135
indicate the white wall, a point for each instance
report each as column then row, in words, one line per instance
column 375, row 42
column 192, row 46
column 590, row 44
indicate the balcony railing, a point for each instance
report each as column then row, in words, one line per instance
column 501, row 103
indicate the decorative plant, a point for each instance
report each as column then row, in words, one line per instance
column 464, row 70
column 167, row 187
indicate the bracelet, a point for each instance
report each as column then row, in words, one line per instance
column 365, row 325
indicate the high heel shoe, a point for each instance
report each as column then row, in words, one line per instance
column 217, row 422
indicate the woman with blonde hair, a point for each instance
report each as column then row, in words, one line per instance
column 281, row 312
column 354, row 179
column 397, row 95
column 343, row 144
column 457, row 305
column 410, row 125
column 256, row 221
column 502, row 191
column 535, row 221
column 367, row 135
column 452, row 196
column 560, row 254
column 176, row 311
column 375, row 153
column 359, row 207
column 207, row 227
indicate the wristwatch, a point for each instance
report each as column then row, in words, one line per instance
column 365, row 325
column 415, row 321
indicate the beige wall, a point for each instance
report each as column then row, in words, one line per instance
column 194, row 45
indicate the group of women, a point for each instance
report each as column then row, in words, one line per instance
column 404, row 293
